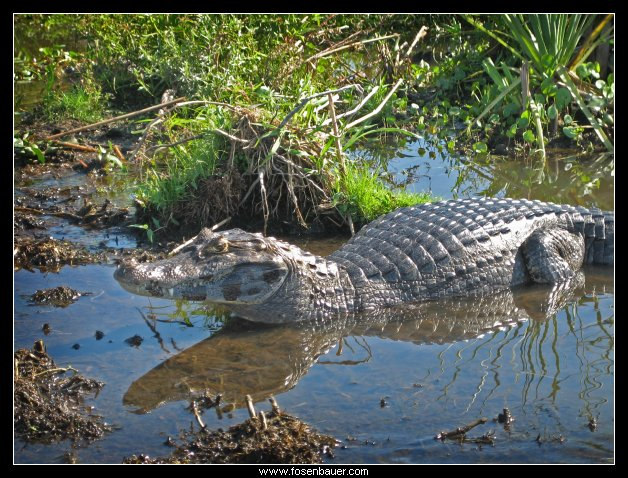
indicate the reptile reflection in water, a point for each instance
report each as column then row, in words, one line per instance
column 263, row 360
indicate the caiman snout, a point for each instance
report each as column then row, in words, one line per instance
column 160, row 279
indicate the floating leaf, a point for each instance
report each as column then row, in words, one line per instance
column 480, row 147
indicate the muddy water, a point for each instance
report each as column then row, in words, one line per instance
column 383, row 385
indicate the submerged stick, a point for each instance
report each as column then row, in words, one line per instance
column 112, row 120
column 67, row 215
column 460, row 430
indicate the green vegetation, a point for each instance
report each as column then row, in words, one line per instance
column 79, row 103
column 548, row 44
column 363, row 195
column 260, row 139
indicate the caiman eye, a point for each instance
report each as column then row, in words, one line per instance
column 216, row 246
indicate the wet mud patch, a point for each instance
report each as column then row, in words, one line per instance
column 73, row 150
column 49, row 255
column 69, row 203
column 49, row 404
column 285, row 439
column 61, row 296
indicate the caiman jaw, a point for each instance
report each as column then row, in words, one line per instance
column 159, row 280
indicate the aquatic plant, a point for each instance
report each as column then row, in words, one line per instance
column 548, row 85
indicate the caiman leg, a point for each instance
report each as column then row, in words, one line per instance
column 553, row 255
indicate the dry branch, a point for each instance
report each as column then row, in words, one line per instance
column 354, row 110
column 378, row 109
column 304, row 101
column 421, row 34
column 250, row 407
column 79, row 147
column 213, row 228
column 112, row 120
column 357, row 43
column 118, row 153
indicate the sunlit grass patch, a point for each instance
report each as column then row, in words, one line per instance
column 83, row 104
column 363, row 194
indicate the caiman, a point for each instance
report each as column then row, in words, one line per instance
column 466, row 247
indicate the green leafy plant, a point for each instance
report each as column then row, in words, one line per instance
column 23, row 147
column 549, row 43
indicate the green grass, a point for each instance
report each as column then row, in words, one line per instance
column 87, row 105
column 185, row 165
column 364, row 195
column 173, row 178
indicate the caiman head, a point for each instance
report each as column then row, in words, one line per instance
column 232, row 267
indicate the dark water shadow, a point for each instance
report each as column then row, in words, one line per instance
column 247, row 358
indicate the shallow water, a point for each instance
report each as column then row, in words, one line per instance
column 435, row 368
column 553, row 374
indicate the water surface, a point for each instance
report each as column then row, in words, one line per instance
column 383, row 385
